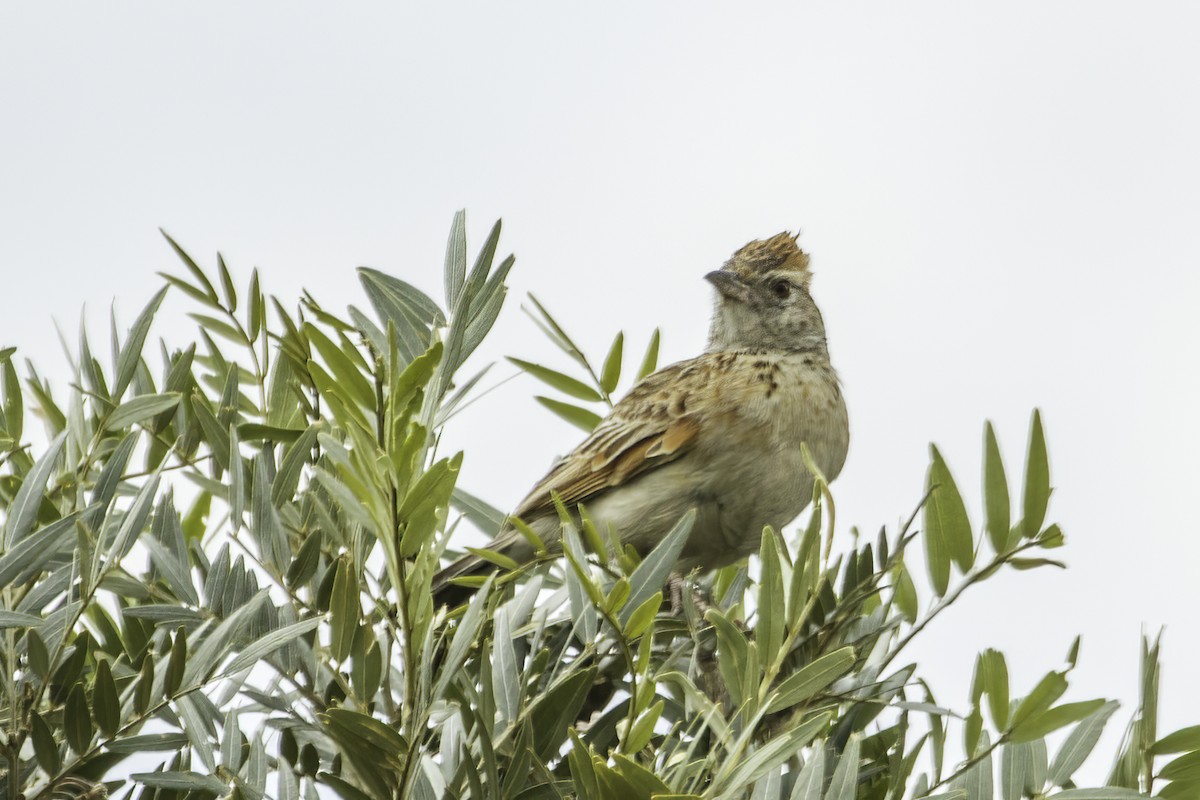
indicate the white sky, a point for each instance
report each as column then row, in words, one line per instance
column 1001, row 205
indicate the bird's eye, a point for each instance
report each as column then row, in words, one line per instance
column 781, row 289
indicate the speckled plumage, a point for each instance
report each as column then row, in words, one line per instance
column 720, row 432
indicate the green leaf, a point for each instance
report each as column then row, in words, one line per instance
column 106, row 703
column 487, row 518
column 140, row 409
column 483, row 262
column 1073, row 652
column 564, row 383
column 972, row 730
column 256, row 307
column 176, row 665
column 555, row 332
column 652, row 573
column 1079, row 744
column 978, row 781
column 22, row 513
column 494, row 557
column 216, row 435
column 465, row 637
column 579, row 417
column 407, row 307
column 182, row 780
column 220, row 327
column 610, row 375
column 642, row 730
column 583, row 770
column 1039, row 725
column 946, row 520
column 372, row 732
column 1182, row 740
column 1183, row 768
column 343, row 610
column 1051, row 537
column 227, row 287
column 423, row 503
column 266, row 645
column 845, row 777
column 644, row 782
column 1049, row 689
column 305, row 564
column 775, row 752
column 265, row 523
column 194, row 523
column 905, row 593
column 650, row 360
column 505, row 684
column 253, row 432
column 1034, row 563
column 17, row 619
column 131, row 353
column 298, row 453
column 14, row 406
column 237, row 481
column 811, row 782
column 814, row 677
column 769, row 631
column 1037, row 481
column 485, row 308
column 349, row 377
column 641, row 618
column 45, row 749
column 197, row 273
column 135, row 519
column 231, row 742
column 145, row 686
column 997, row 505
column 149, row 743
column 995, row 683
column 557, row 708
column 39, row 655
column 1106, row 793
column 455, row 271
column 77, row 722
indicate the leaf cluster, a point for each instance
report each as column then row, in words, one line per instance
column 215, row 581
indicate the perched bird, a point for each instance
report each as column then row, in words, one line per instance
column 720, row 433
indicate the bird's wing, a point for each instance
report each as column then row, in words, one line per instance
column 660, row 419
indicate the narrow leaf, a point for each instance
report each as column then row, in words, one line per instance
column 997, row 505
column 23, row 511
column 946, row 516
column 651, row 574
column 1037, row 480
column 140, row 409
column 131, row 353
column 1079, row 744
column 650, row 360
column 811, row 679
column 564, row 383
column 579, row 417
column 610, row 375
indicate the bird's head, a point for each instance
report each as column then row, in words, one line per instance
column 763, row 301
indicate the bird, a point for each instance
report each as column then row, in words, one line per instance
column 720, row 433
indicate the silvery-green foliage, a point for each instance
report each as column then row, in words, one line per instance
column 215, row 574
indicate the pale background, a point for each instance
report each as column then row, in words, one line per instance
column 1001, row 203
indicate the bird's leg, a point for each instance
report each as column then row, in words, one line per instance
column 675, row 584
column 697, row 605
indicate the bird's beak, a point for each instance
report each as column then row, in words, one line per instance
column 729, row 284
